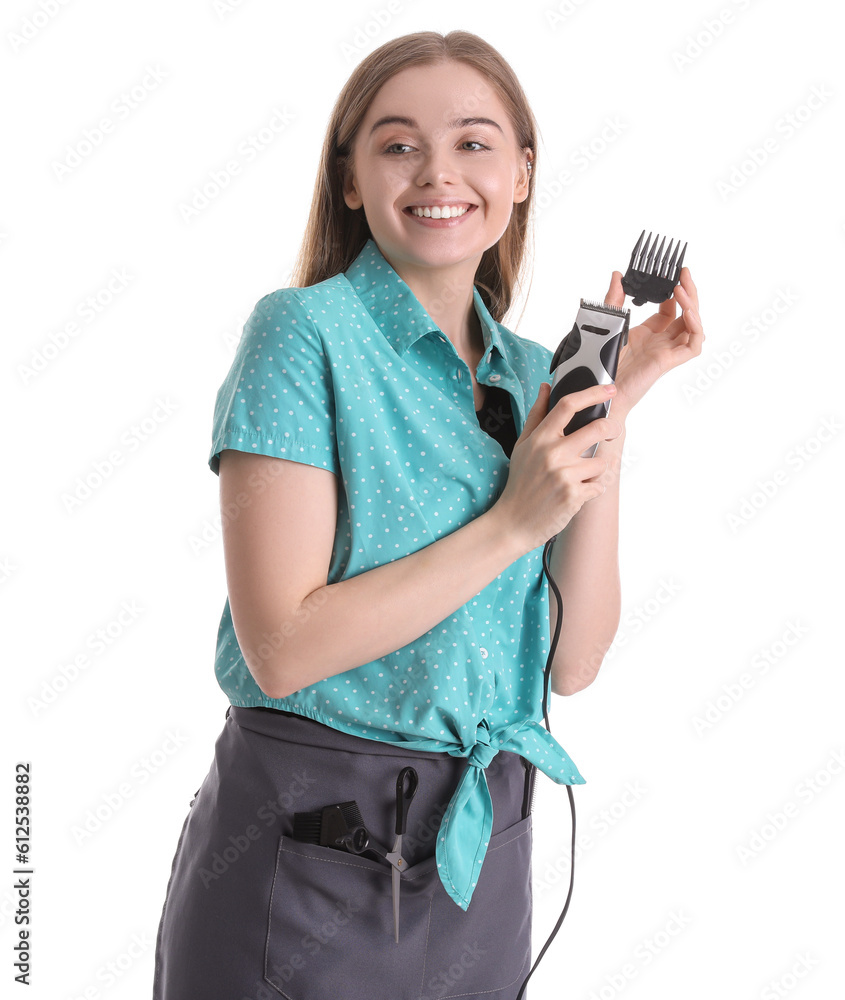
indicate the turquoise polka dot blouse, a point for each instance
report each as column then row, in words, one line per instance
column 353, row 375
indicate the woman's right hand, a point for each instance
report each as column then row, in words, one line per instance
column 548, row 480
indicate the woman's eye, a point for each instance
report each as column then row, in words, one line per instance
column 405, row 145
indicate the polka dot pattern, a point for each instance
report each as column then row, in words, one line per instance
column 352, row 375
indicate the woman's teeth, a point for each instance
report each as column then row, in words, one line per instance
column 439, row 212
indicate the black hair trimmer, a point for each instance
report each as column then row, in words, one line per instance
column 588, row 355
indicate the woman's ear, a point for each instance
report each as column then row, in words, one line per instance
column 347, row 181
column 523, row 181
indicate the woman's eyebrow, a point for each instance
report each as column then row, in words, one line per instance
column 454, row 124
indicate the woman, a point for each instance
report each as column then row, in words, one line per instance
column 389, row 474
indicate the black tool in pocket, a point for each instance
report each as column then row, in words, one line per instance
column 329, row 925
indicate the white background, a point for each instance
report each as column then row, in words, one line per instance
column 735, row 828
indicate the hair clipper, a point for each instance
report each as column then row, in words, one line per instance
column 588, row 355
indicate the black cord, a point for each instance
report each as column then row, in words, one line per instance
column 555, row 635
column 546, row 685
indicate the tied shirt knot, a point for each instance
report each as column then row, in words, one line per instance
column 481, row 752
column 467, row 824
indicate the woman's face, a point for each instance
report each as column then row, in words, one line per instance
column 432, row 157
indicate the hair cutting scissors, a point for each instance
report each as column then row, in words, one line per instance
column 404, row 797
column 359, row 840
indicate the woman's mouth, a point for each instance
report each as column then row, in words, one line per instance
column 439, row 216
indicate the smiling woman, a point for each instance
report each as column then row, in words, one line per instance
column 438, row 186
column 386, row 444
column 383, row 608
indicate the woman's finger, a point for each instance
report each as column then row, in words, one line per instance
column 690, row 346
column 685, row 300
column 593, row 468
column 688, row 307
column 696, row 332
column 573, row 402
column 615, row 293
column 689, row 286
column 596, row 431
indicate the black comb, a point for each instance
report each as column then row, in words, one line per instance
column 651, row 277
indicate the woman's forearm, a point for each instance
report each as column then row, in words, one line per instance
column 584, row 561
column 355, row 621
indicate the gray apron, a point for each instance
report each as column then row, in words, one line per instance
column 252, row 914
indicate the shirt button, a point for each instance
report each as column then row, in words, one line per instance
column 484, row 653
column 460, row 375
column 495, row 378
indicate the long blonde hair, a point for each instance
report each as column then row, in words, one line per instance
column 336, row 234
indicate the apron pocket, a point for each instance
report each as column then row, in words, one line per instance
column 330, row 925
column 488, row 946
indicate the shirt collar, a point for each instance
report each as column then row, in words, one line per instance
column 398, row 312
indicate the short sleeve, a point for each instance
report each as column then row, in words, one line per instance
column 277, row 398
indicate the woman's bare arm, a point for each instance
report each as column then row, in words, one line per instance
column 293, row 627
column 584, row 561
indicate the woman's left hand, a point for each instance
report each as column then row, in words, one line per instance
column 657, row 345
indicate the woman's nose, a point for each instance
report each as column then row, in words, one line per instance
column 436, row 166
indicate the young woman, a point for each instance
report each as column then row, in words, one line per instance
column 389, row 474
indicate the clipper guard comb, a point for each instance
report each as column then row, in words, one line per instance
column 650, row 277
